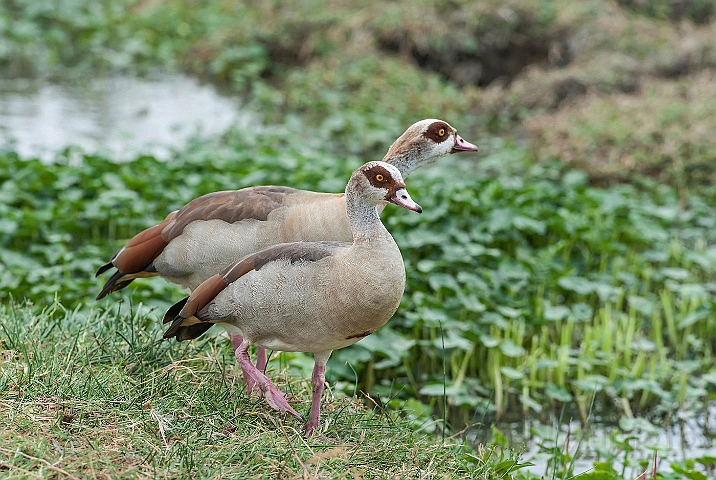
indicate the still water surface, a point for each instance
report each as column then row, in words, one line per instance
column 117, row 116
column 689, row 435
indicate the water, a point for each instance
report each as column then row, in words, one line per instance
column 690, row 437
column 119, row 116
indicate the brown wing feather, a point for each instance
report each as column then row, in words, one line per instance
column 135, row 259
column 205, row 293
column 230, row 206
column 184, row 323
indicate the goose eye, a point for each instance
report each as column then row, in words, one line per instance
column 379, row 177
column 441, row 132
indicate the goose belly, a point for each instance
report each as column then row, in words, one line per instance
column 308, row 307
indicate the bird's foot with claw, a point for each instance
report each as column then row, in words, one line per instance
column 310, row 428
column 275, row 398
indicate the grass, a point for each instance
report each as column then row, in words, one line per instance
column 100, row 395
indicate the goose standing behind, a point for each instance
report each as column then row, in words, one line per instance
column 201, row 239
column 308, row 296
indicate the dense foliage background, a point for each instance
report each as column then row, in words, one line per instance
column 566, row 267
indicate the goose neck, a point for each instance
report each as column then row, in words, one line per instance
column 408, row 160
column 363, row 217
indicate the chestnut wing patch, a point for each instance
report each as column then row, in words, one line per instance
column 230, row 206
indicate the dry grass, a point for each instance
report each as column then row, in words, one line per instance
column 667, row 131
column 635, row 98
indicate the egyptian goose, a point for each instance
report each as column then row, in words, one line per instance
column 308, row 296
column 201, row 239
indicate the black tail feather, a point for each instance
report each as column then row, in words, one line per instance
column 192, row 331
column 103, row 269
column 174, row 310
column 113, row 285
column 175, row 328
column 173, row 316
column 183, row 332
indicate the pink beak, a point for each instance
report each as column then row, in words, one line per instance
column 401, row 197
column 462, row 146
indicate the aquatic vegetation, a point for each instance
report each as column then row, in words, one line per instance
column 527, row 287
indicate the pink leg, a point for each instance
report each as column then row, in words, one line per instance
column 236, row 341
column 261, row 358
column 318, row 381
column 274, row 396
column 260, row 361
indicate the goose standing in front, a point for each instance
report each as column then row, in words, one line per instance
column 308, row 296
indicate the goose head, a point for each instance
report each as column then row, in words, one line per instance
column 423, row 143
column 376, row 183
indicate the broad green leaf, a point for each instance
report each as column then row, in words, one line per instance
column 509, row 349
column 557, row 312
column 512, row 373
column 578, row 285
column 489, row 341
column 558, row 393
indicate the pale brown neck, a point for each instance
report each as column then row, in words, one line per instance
column 364, row 220
column 408, row 160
